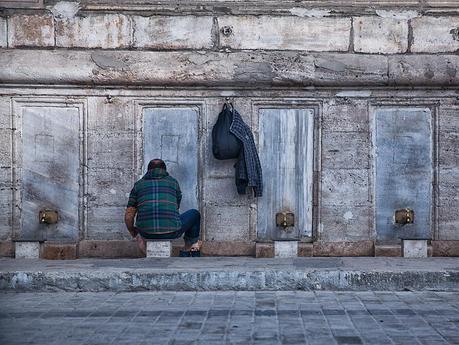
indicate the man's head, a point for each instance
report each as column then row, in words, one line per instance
column 156, row 163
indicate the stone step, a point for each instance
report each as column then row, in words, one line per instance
column 230, row 273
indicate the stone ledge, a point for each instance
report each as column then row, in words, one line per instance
column 202, row 274
column 108, row 249
column 245, row 69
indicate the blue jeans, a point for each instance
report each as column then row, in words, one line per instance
column 191, row 220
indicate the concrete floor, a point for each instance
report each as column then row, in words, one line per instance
column 280, row 317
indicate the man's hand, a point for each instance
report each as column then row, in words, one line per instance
column 129, row 217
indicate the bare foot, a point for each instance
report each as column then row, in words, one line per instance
column 142, row 244
column 196, row 247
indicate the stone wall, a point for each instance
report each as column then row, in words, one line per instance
column 112, row 60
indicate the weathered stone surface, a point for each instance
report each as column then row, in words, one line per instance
column 449, row 119
column 435, row 34
column 264, row 250
column 94, row 31
column 27, row 250
column 227, row 223
column 448, row 222
column 380, row 35
column 30, row 31
column 449, row 150
column 448, row 187
column 187, row 32
column 3, row 33
column 388, row 250
column 5, row 112
column 159, row 249
column 423, row 70
column 106, row 223
column 113, row 114
column 358, row 248
column 414, row 248
column 239, row 68
column 110, row 149
column 223, row 191
column 345, row 187
column 109, row 186
column 285, row 249
column 341, row 223
column 228, row 248
column 58, row 251
column 5, row 147
column 7, row 249
column 345, row 115
column 305, row 249
column 285, row 33
column 108, row 249
column 345, row 150
column 445, row 248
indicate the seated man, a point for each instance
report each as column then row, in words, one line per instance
column 155, row 198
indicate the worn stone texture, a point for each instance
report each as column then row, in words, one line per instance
column 388, row 250
column 357, row 248
column 380, row 35
column 30, row 31
column 445, row 248
column 264, row 250
column 5, row 112
column 285, row 33
column 5, row 203
column 106, row 31
column 345, row 150
column 435, row 34
column 423, row 69
column 106, row 223
column 222, row 191
column 345, row 223
column 110, row 149
column 5, row 147
column 228, row 248
column 448, row 222
column 59, row 251
column 7, row 249
column 224, row 69
column 345, row 187
column 3, row 33
column 178, row 32
column 345, row 115
column 109, row 114
column 448, row 187
column 449, row 119
column 449, row 150
column 305, row 249
column 109, row 186
column 227, row 223
column 108, row 249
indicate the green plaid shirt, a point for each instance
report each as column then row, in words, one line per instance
column 156, row 196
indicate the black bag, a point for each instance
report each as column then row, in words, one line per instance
column 224, row 144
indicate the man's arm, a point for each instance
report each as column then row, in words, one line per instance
column 179, row 196
column 129, row 217
column 131, row 210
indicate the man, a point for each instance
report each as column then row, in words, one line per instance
column 155, row 199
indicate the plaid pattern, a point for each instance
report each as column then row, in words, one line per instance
column 156, row 196
column 248, row 167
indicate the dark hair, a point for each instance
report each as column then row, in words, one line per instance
column 156, row 163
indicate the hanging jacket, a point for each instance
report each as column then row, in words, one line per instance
column 248, row 167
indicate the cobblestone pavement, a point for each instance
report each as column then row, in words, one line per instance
column 290, row 317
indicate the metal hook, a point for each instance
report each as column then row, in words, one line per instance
column 228, row 102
